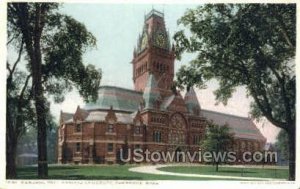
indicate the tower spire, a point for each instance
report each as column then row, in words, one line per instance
column 153, row 53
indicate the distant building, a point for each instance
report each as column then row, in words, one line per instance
column 152, row 116
column 26, row 159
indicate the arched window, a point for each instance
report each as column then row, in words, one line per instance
column 78, row 148
column 196, row 139
column 157, row 136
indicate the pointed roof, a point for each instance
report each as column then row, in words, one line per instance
column 153, row 13
column 64, row 116
column 174, row 102
column 154, row 27
column 111, row 116
column 80, row 114
column 151, row 93
column 167, row 101
column 191, row 101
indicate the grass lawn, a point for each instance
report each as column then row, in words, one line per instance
column 230, row 171
column 120, row 172
column 97, row 172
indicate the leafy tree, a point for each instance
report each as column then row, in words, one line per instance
column 282, row 144
column 54, row 44
column 19, row 113
column 218, row 139
column 250, row 45
column 27, row 142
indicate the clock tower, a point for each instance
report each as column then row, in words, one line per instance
column 153, row 54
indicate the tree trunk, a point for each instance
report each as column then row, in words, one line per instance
column 11, row 145
column 39, row 98
column 11, row 151
column 292, row 149
column 32, row 37
column 41, row 124
column 217, row 166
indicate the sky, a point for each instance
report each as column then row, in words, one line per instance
column 116, row 28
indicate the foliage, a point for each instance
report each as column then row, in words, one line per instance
column 234, row 45
column 282, row 144
column 28, row 143
column 63, row 42
column 54, row 44
column 250, row 45
column 218, row 139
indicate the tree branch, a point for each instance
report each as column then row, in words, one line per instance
column 267, row 112
column 9, row 41
column 283, row 29
column 24, row 87
column 18, row 59
column 7, row 66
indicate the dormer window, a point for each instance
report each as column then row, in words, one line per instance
column 110, row 128
column 78, row 127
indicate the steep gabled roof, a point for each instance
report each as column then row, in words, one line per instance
column 242, row 127
column 151, row 93
column 80, row 114
column 64, row 116
column 174, row 102
column 166, row 102
column 191, row 101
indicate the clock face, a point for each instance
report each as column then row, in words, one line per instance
column 160, row 40
column 178, row 122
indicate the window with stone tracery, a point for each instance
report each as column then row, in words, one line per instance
column 177, row 130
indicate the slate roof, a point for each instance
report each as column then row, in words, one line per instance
column 118, row 98
column 191, row 100
column 98, row 116
column 242, row 127
column 151, row 93
column 65, row 116
column 127, row 102
column 166, row 102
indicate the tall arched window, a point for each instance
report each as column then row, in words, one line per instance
column 156, row 136
column 177, row 130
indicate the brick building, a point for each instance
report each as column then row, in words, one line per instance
column 152, row 116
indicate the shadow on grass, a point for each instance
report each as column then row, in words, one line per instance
column 82, row 177
column 25, row 169
column 79, row 177
column 31, row 172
